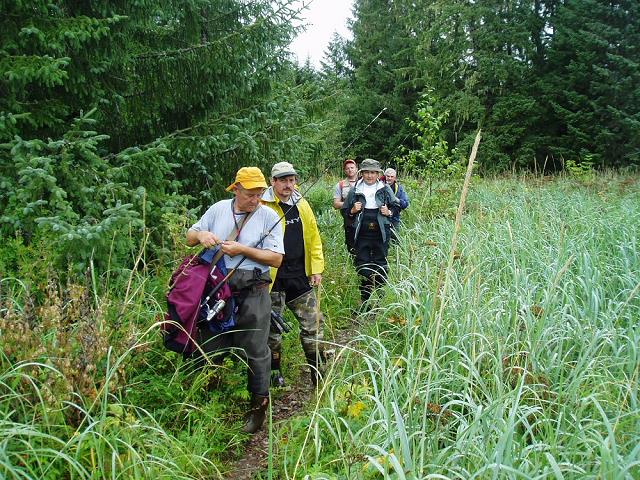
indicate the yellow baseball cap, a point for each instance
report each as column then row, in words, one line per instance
column 249, row 177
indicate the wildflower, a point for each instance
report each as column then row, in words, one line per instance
column 355, row 409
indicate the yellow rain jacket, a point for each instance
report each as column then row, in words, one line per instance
column 313, row 256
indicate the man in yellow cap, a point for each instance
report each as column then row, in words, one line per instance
column 257, row 246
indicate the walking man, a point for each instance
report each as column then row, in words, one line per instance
column 390, row 177
column 340, row 195
column 258, row 246
column 301, row 270
column 368, row 207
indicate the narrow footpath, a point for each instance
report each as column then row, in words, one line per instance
column 288, row 403
column 256, row 450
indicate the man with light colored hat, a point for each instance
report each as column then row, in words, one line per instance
column 391, row 179
column 300, row 271
column 368, row 207
column 256, row 247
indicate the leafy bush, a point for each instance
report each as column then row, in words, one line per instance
column 432, row 159
column 320, row 197
column 91, row 207
column 582, row 170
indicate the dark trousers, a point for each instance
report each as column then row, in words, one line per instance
column 371, row 259
column 349, row 234
column 251, row 333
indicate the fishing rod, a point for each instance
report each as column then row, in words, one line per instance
column 220, row 304
column 344, row 149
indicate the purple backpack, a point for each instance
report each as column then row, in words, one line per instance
column 191, row 283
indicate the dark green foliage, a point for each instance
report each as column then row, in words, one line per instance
column 383, row 57
column 179, row 95
column 592, row 82
column 547, row 80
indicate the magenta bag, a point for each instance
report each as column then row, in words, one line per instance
column 190, row 285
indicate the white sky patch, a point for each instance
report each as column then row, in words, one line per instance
column 323, row 17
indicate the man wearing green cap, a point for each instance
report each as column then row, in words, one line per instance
column 258, row 245
column 300, row 271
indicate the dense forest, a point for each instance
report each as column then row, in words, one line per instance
column 548, row 81
column 121, row 121
column 156, row 101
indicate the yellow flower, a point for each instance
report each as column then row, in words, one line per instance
column 397, row 319
column 355, row 409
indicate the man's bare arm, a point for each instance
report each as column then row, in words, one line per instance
column 204, row 238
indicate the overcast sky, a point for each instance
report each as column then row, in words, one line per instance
column 323, row 18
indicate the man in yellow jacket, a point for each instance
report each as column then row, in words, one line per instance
column 301, row 270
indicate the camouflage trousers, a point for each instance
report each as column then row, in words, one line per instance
column 306, row 310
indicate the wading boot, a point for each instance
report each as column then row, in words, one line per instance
column 316, row 375
column 254, row 418
column 316, row 367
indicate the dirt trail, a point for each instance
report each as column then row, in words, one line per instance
column 255, row 458
column 286, row 404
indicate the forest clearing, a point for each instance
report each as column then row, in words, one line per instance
column 499, row 336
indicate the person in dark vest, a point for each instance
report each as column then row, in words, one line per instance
column 369, row 209
column 340, row 195
column 261, row 245
column 301, row 270
column 391, row 179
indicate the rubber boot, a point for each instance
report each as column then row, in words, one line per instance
column 254, row 418
column 277, row 380
column 316, row 366
column 366, row 288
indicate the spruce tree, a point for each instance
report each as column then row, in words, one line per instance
column 382, row 54
column 592, row 82
column 137, row 104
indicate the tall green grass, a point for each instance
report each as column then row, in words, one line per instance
column 534, row 371
column 112, row 440
column 68, row 411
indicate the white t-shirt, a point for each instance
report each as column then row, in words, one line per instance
column 369, row 192
column 219, row 220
